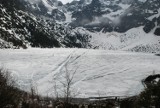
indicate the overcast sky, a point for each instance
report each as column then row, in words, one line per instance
column 65, row 1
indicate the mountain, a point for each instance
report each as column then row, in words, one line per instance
column 49, row 8
column 123, row 26
column 118, row 15
column 132, row 25
column 23, row 29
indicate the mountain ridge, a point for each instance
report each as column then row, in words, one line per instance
column 23, row 29
column 49, row 23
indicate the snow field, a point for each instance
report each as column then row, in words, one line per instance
column 98, row 72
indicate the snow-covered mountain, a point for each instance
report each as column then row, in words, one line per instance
column 132, row 25
column 23, row 29
column 114, row 15
column 48, row 8
column 135, row 40
column 103, row 24
column 121, row 25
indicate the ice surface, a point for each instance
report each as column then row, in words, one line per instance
column 108, row 73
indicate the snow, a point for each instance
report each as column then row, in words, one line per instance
column 99, row 72
column 142, row 1
column 115, row 17
column 68, row 17
column 134, row 37
column 129, row 14
column 154, row 16
column 49, row 7
column 124, row 6
column 66, row 1
column 33, row 1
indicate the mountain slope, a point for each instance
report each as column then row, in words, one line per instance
column 23, row 29
column 119, row 15
column 103, row 24
column 118, row 25
column 134, row 39
column 48, row 8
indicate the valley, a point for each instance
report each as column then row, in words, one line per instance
column 51, row 52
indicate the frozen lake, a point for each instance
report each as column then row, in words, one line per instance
column 98, row 72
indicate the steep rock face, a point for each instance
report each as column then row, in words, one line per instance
column 48, row 8
column 77, row 5
column 22, row 29
column 157, row 32
column 119, row 15
column 87, row 14
column 91, row 15
column 95, row 15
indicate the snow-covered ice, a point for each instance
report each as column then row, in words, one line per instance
column 99, row 72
